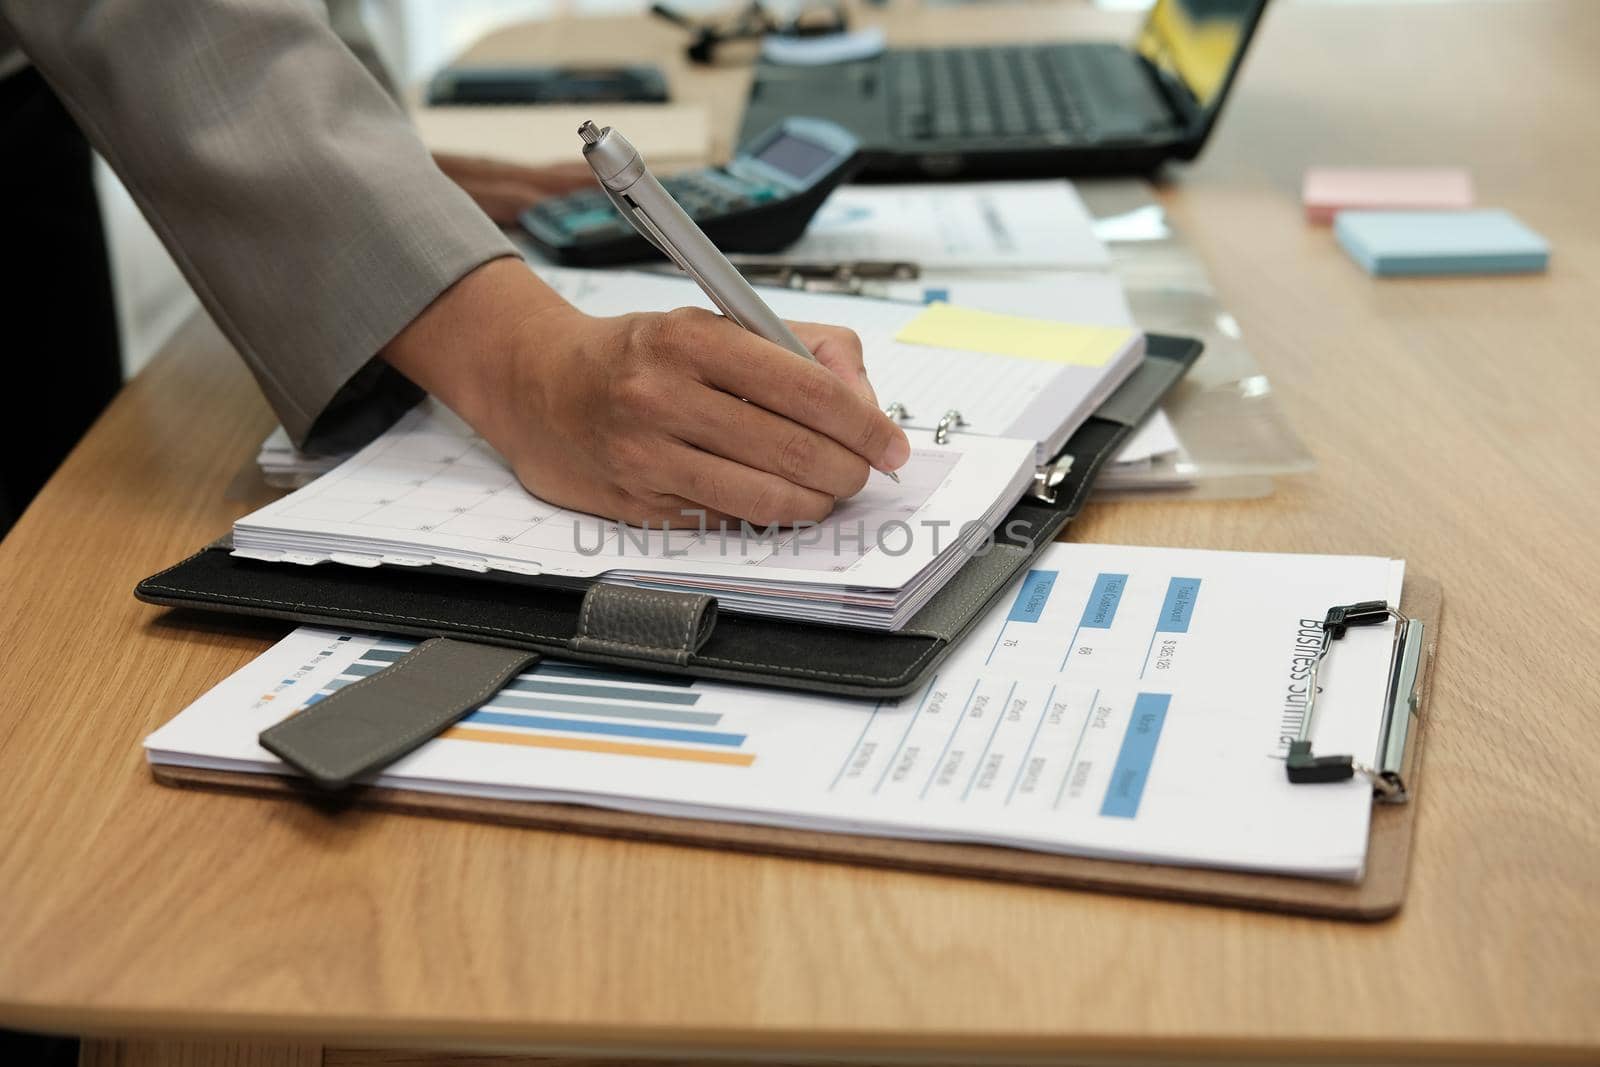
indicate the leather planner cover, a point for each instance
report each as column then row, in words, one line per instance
column 548, row 616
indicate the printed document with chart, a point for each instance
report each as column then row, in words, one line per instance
column 430, row 492
column 1117, row 702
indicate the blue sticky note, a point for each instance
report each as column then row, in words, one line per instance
column 1440, row 242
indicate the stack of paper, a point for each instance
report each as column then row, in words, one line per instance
column 1128, row 703
column 1135, row 464
column 286, row 467
column 982, row 226
column 431, row 492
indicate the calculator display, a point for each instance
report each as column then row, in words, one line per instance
column 795, row 156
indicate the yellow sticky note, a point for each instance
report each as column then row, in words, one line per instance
column 948, row 326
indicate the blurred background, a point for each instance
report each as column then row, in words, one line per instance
column 415, row 38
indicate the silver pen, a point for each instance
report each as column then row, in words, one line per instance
column 640, row 199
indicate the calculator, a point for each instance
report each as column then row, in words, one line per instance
column 759, row 202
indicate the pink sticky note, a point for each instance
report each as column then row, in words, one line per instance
column 1329, row 190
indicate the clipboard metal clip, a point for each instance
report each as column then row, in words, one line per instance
column 1400, row 704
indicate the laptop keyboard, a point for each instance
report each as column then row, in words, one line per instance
column 1063, row 93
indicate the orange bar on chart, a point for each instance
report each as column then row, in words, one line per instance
column 613, row 748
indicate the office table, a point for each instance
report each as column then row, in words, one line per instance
column 1455, row 425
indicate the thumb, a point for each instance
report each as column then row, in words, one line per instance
column 838, row 349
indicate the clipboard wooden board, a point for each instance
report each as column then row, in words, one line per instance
column 1379, row 894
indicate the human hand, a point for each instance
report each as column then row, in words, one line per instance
column 645, row 417
column 503, row 190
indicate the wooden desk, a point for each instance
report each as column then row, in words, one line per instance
column 1455, row 425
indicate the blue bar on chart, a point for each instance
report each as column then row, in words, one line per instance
column 1101, row 610
column 532, row 683
column 1177, row 609
column 507, row 701
column 1128, row 777
column 1031, row 598
column 613, row 729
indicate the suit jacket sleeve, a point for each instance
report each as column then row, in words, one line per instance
column 287, row 184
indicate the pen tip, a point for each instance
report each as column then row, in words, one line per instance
column 893, row 477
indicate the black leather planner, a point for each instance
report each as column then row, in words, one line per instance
column 638, row 628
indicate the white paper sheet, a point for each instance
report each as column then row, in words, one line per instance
column 962, row 225
column 429, row 491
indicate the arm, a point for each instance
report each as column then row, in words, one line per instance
column 288, row 186
column 644, row 417
column 298, row 201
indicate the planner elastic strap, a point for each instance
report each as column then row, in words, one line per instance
column 373, row 722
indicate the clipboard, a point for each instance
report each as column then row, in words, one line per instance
column 1379, row 894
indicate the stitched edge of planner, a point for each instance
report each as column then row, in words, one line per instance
column 685, row 646
column 938, row 644
column 348, row 619
column 1073, row 507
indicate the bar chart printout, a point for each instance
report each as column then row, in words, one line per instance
column 577, row 708
column 1050, row 728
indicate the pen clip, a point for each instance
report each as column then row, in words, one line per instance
column 652, row 233
column 628, row 210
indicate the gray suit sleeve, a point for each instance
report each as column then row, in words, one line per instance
column 289, row 187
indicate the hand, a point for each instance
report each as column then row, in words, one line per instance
column 643, row 417
column 503, row 190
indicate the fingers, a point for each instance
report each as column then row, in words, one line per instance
column 744, row 365
column 551, row 179
column 750, row 435
column 838, row 349
column 504, row 190
column 502, row 201
column 560, row 178
column 814, row 396
column 732, row 489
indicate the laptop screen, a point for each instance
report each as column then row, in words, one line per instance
column 1198, row 42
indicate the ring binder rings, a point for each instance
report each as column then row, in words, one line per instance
column 950, row 420
column 1401, row 700
column 1047, row 478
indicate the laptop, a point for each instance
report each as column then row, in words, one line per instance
column 1027, row 109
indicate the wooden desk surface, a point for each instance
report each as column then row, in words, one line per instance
column 1454, row 421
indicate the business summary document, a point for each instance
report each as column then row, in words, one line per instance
column 1117, row 702
column 1018, row 225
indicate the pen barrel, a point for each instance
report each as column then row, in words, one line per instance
column 623, row 173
